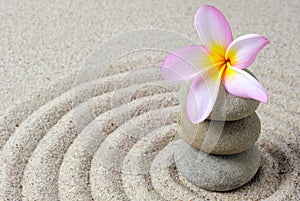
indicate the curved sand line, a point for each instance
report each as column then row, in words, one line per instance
column 35, row 126
column 136, row 164
column 106, row 165
column 41, row 164
column 84, row 146
column 13, row 116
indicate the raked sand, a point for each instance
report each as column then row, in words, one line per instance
column 70, row 133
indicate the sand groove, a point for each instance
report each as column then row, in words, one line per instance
column 136, row 164
column 70, row 185
column 106, row 166
column 113, row 139
column 31, row 130
column 47, row 159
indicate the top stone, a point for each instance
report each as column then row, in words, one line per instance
column 227, row 106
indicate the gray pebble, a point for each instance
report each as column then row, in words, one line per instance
column 214, row 172
column 227, row 106
column 218, row 137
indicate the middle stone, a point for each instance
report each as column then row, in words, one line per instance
column 219, row 137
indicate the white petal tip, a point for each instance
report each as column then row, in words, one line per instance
column 195, row 119
column 265, row 99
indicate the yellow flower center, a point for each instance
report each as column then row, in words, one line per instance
column 218, row 57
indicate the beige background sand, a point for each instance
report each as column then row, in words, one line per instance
column 44, row 41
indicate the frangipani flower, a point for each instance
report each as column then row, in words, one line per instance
column 219, row 60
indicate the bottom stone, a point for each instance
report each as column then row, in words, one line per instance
column 215, row 172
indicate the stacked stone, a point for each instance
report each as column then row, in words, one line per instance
column 219, row 154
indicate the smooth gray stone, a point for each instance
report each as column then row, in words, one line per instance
column 222, row 138
column 227, row 106
column 214, row 172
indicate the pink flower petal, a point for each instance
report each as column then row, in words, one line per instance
column 185, row 63
column 213, row 29
column 240, row 83
column 243, row 50
column 202, row 95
